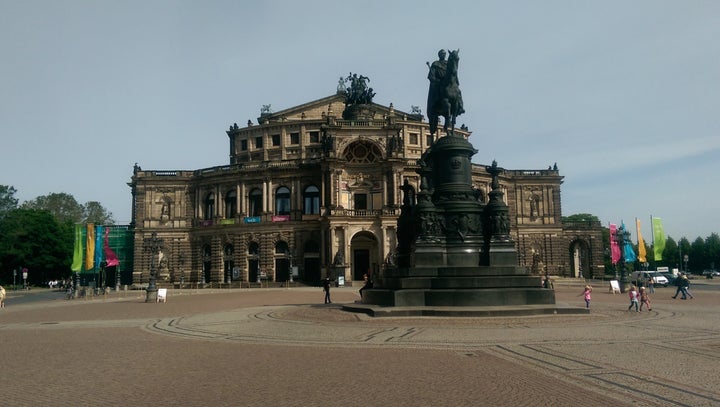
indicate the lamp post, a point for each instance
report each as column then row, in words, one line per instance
column 290, row 255
column 152, row 245
column 623, row 236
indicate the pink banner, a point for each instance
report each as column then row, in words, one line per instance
column 614, row 248
column 110, row 256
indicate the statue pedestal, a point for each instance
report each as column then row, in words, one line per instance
column 454, row 251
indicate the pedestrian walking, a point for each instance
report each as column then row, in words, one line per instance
column 586, row 295
column 644, row 299
column 686, row 287
column 633, row 294
column 326, row 288
column 2, row 297
column 650, row 284
column 679, row 284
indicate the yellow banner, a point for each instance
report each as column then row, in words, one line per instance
column 642, row 254
column 90, row 247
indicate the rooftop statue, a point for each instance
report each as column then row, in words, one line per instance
column 358, row 93
column 444, row 96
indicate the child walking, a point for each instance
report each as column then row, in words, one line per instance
column 644, row 299
column 633, row 294
column 586, row 295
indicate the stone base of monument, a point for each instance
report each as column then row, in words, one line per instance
column 465, row 311
column 461, row 291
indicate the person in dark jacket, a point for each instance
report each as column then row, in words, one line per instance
column 326, row 288
column 680, row 284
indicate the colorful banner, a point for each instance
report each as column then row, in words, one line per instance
column 628, row 251
column 90, row 247
column 642, row 253
column 614, row 248
column 110, row 256
column 77, row 251
column 658, row 238
column 98, row 245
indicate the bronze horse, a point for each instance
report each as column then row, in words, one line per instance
column 448, row 101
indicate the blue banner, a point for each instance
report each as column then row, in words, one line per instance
column 99, row 235
column 628, row 251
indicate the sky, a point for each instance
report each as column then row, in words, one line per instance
column 623, row 95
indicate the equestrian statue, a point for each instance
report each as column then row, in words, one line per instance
column 444, row 96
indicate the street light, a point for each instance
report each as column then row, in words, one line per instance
column 152, row 245
column 623, row 236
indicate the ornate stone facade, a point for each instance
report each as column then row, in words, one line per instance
column 305, row 187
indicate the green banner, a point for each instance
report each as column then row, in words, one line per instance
column 78, row 250
column 658, row 238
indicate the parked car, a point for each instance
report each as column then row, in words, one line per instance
column 670, row 277
column 643, row 276
column 711, row 273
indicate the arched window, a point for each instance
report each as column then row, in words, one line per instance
column 311, row 200
column 311, row 246
column 281, row 247
column 362, row 151
column 282, row 201
column 209, row 206
column 230, row 204
column 255, row 201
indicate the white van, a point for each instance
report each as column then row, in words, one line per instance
column 658, row 279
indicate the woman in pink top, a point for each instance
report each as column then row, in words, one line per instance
column 586, row 295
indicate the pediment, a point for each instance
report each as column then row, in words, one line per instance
column 329, row 105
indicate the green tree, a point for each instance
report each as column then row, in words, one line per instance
column 61, row 205
column 712, row 250
column 8, row 202
column 95, row 213
column 698, row 260
column 35, row 240
column 580, row 217
column 671, row 256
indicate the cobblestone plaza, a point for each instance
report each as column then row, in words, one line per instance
column 283, row 347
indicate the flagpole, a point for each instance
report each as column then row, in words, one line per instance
column 652, row 230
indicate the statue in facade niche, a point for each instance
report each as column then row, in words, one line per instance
column 339, row 259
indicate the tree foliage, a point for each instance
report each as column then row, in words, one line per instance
column 581, row 217
column 95, row 213
column 38, row 235
column 8, row 202
column 62, row 206
column 35, row 240
column 67, row 210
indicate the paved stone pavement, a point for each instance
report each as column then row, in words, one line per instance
column 283, row 347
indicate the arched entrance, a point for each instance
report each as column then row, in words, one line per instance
column 364, row 252
column 253, row 262
column 311, row 253
column 282, row 261
column 579, row 259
